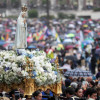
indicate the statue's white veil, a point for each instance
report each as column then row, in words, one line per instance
column 18, row 31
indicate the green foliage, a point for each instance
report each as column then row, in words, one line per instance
column 96, row 9
column 62, row 2
column 33, row 13
column 66, row 16
column 72, row 16
column 50, row 17
column 13, row 1
column 44, row 2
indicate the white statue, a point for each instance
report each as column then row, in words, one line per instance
column 21, row 32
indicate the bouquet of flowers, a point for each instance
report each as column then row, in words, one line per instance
column 13, row 70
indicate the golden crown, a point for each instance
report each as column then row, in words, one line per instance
column 24, row 8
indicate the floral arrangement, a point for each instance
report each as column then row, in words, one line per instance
column 11, row 70
column 13, row 67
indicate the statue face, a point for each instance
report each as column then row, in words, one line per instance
column 23, row 14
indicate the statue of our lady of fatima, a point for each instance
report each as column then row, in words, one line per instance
column 21, row 32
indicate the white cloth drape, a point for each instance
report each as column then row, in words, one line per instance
column 21, row 33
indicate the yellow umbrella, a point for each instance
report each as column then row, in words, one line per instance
column 85, row 25
column 61, row 46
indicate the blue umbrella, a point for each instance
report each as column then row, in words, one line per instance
column 2, row 42
column 11, row 44
column 67, row 41
column 78, row 73
column 85, row 42
column 31, row 47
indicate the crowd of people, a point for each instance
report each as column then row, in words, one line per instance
column 75, row 43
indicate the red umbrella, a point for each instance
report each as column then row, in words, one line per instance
column 97, row 51
column 77, row 37
column 8, row 30
column 87, row 31
column 29, row 39
column 99, row 33
column 5, row 45
column 84, row 22
column 69, row 47
column 89, row 19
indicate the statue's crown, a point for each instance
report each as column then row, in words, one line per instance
column 24, row 8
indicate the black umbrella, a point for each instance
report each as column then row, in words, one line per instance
column 73, row 58
column 78, row 73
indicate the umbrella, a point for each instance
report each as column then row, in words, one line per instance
column 2, row 42
column 98, row 26
column 87, row 31
column 79, row 22
column 69, row 47
column 93, row 25
column 60, row 45
column 97, row 51
column 31, row 47
column 98, row 33
column 41, row 45
column 78, row 73
column 77, row 37
column 8, row 45
column 89, row 40
column 71, row 26
column 67, row 41
column 71, row 35
column 56, row 23
column 82, row 19
column 8, row 30
column 85, row 26
column 29, row 39
column 66, row 66
column 85, row 42
column 73, row 58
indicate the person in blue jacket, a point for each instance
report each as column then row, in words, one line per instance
column 48, row 93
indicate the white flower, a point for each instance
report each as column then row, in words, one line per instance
column 18, row 70
column 8, row 64
column 14, row 65
column 24, row 73
column 15, row 73
column 14, row 68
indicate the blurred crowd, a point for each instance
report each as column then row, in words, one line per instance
column 76, row 43
column 72, row 89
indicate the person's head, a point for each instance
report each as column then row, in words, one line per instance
column 91, row 84
column 74, row 85
column 12, row 93
column 37, row 95
column 91, row 93
column 75, row 80
column 89, row 79
column 79, row 92
column 48, row 91
column 69, row 92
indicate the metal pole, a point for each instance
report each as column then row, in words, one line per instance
column 48, row 5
